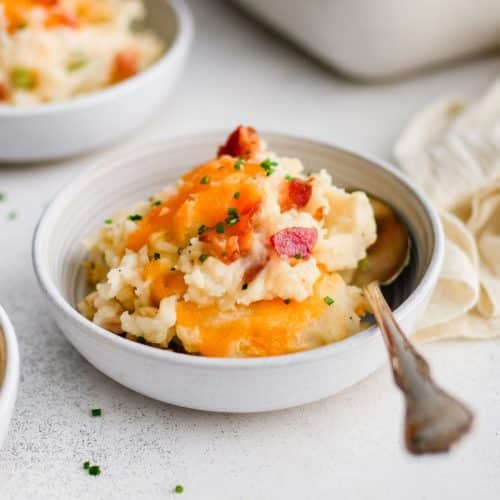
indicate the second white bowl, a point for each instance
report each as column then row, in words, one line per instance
column 82, row 124
column 218, row 384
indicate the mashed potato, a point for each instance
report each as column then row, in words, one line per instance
column 243, row 257
column 52, row 50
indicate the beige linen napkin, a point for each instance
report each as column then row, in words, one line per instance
column 452, row 150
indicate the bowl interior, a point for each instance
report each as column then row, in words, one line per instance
column 83, row 206
column 3, row 357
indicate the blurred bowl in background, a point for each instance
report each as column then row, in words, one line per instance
column 84, row 123
column 9, row 372
column 381, row 39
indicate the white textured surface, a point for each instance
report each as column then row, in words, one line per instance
column 345, row 447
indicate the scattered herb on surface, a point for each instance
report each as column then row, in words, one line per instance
column 135, row 217
column 328, row 300
column 86, row 465
column 219, row 228
column 156, row 256
column 96, row 412
column 179, row 488
column 202, row 258
column 108, row 221
column 232, row 216
column 205, row 179
column 94, row 470
column 268, row 166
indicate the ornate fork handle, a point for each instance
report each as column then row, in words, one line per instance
column 434, row 419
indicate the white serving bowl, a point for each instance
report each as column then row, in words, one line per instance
column 9, row 372
column 78, row 125
column 218, row 384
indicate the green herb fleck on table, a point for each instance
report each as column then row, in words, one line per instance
column 108, row 221
column 179, row 488
column 12, row 215
column 328, row 300
column 96, row 412
column 94, row 470
column 86, row 465
column 135, row 217
column 268, row 166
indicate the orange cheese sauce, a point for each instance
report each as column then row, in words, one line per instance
column 264, row 328
column 203, row 199
column 165, row 282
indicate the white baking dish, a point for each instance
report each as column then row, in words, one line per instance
column 380, row 39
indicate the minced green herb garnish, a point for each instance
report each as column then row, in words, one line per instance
column 156, row 203
column 289, row 177
column 236, row 195
column 219, row 228
column 135, row 217
column 268, row 166
column 202, row 258
column 179, row 488
column 328, row 300
column 298, row 256
column 94, row 470
column 239, row 163
column 86, row 465
column 96, row 412
column 108, row 221
column 205, row 179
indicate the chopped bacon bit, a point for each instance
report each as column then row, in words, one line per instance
column 125, row 65
column 3, row 92
column 299, row 192
column 319, row 214
column 294, row 241
column 295, row 193
column 244, row 142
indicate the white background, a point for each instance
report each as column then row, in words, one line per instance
column 347, row 447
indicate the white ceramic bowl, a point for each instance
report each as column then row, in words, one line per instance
column 9, row 373
column 215, row 384
column 81, row 124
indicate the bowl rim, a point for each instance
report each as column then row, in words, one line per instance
column 8, row 387
column 418, row 295
column 183, row 36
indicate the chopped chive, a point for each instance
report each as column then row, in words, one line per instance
column 205, row 179
column 179, row 488
column 156, row 256
column 77, row 61
column 328, row 300
column 236, row 195
column 268, row 166
column 96, row 412
column 94, row 470
column 23, row 78
column 232, row 211
column 156, row 203
column 287, row 301
column 288, row 177
column 232, row 217
column 202, row 229
column 202, row 258
column 239, row 163
column 135, row 217
column 86, row 465
column 219, row 228
column 298, row 256
column 108, row 221
column 245, row 286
